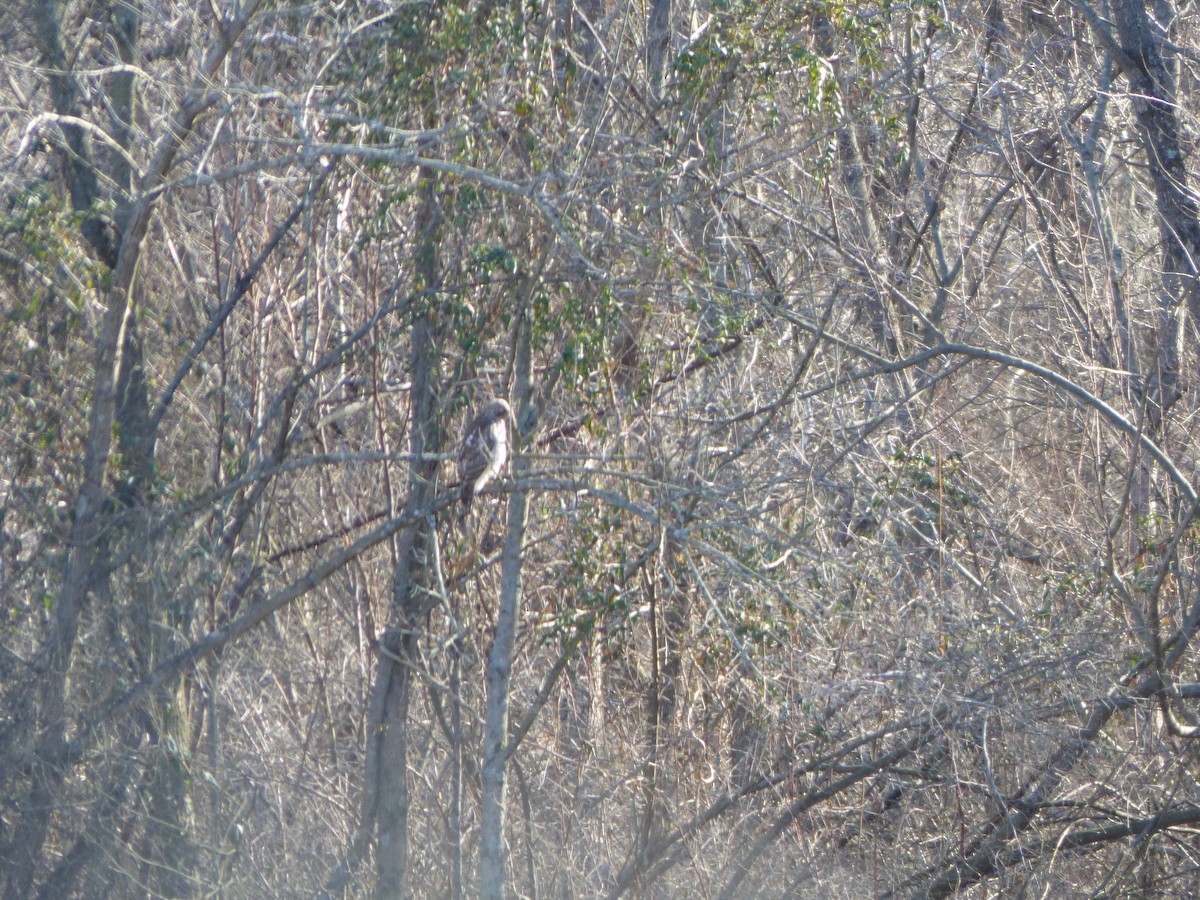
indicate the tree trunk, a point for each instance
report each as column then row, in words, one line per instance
column 658, row 42
column 1152, row 85
column 398, row 646
column 500, row 657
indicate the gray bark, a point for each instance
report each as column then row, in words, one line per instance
column 658, row 41
column 1143, row 53
column 492, row 863
column 387, row 763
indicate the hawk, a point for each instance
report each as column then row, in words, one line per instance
column 484, row 450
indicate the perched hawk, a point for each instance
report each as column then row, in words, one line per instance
column 484, row 450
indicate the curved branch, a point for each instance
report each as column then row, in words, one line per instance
column 1187, row 815
column 1078, row 392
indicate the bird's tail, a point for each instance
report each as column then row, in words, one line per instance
column 468, row 493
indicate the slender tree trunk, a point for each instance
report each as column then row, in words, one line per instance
column 390, row 738
column 454, row 814
column 500, row 657
column 1152, row 85
column 48, row 713
column 658, row 42
column 398, row 646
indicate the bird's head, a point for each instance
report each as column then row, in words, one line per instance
column 496, row 410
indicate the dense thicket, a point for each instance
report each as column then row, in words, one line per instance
column 848, row 547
